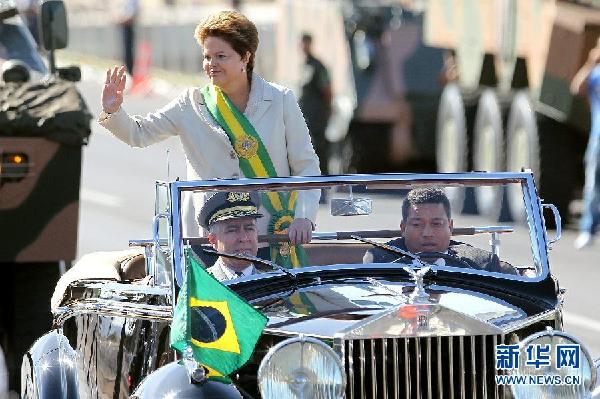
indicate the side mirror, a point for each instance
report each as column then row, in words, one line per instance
column 53, row 25
column 557, row 220
column 351, row 206
column 70, row 73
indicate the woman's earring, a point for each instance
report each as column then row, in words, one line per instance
column 243, row 69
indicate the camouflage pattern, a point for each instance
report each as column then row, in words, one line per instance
column 39, row 213
column 551, row 37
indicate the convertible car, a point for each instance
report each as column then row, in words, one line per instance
column 345, row 323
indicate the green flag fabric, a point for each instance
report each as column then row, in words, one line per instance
column 220, row 327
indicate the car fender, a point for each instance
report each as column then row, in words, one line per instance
column 596, row 389
column 49, row 369
column 172, row 381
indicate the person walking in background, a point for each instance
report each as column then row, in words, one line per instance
column 126, row 20
column 587, row 81
column 237, row 126
column 315, row 100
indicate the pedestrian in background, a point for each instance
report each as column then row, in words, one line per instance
column 269, row 137
column 587, row 81
column 315, row 100
column 126, row 21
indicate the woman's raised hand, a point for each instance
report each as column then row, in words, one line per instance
column 112, row 94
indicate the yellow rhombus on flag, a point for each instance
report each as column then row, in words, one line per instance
column 220, row 327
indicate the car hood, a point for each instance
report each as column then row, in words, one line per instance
column 377, row 311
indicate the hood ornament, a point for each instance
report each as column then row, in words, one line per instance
column 419, row 295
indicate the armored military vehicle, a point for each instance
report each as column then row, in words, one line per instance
column 509, row 106
column 43, row 124
column 385, row 81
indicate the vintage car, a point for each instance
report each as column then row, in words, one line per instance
column 410, row 327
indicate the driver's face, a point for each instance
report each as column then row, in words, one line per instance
column 427, row 228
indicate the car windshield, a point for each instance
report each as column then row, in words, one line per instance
column 17, row 44
column 472, row 226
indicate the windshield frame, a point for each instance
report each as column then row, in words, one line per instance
column 525, row 179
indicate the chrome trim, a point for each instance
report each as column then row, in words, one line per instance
column 102, row 307
column 362, row 367
column 535, row 220
column 418, row 367
column 157, row 241
column 551, row 332
column 451, row 357
column 176, row 242
column 302, row 340
column 439, row 365
column 519, row 324
column 429, row 389
column 484, row 365
column 473, row 369
column 493, row 229
column 406, row 368
column 396, row 374
column 451, row 367
column 557, row 221
column 596, row 390
column 146, row 242
column 373, row 369
column 495, row 343
column 384, row 368
column 351, row 367
column 372, row 181
column 461, row 359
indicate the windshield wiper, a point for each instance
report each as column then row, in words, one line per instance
column 390, row 248
column 253, row 259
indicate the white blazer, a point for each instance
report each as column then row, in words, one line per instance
column 273, row 111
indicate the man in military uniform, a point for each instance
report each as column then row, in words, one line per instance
column 230, row 218
column 426, row 227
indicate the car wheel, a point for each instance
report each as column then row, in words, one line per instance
column 488, row 151
column 522, row 149
column 451, row 140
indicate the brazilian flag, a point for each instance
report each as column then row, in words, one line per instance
column 220, row 327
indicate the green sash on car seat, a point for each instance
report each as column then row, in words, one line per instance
column 256, row 162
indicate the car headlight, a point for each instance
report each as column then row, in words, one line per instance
column 301, row 368
column 553, row 364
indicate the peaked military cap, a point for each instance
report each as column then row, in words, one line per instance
column 229, row 205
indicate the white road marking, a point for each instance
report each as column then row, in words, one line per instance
column 580, row 321
column 100, row 198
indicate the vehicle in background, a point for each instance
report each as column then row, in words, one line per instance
column 43, row 124
column 510, row 106
column 385, row 81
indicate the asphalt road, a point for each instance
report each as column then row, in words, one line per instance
column 117, row 203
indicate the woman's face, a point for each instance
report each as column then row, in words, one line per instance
column 222, row 64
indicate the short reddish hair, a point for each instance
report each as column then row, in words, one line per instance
column 235, row 29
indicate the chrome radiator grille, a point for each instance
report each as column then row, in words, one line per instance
column 422, row 368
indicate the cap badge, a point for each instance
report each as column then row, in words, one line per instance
column 237, row 197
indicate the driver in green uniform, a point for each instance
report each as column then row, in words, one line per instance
column 426, row 228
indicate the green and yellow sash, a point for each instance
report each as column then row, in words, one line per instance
column 256, row 162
